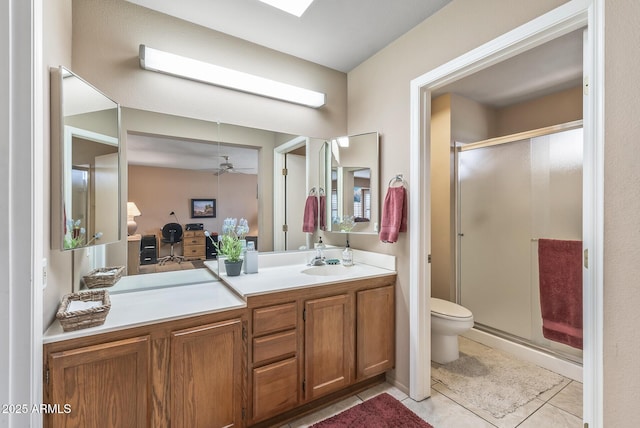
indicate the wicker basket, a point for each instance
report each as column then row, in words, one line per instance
column 103, row 277
column 84, row 318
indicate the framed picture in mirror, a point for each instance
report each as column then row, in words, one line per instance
column 203, row 208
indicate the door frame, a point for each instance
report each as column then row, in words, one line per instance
column 279, row 213
column 23, row 264
column 571, row 16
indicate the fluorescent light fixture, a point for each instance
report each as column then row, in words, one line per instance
column 343, row 141
column 294, row 7
column 187, row 68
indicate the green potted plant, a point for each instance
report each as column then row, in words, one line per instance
column 74, row 234
column 232, row 243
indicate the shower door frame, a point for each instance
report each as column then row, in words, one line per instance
column 573, row 372
column 574, row 15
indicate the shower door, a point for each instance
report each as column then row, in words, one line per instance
column 509, row 195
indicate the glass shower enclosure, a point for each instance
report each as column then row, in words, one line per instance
column 510, row 193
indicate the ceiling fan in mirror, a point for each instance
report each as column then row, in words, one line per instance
column 227, row 166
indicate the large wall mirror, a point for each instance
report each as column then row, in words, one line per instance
column 351, row 174
column 171, row 160
column 85, row 164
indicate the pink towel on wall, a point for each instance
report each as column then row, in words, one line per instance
column 323, row 215
column 394, row 214
column 560, row 266
column 310, row 219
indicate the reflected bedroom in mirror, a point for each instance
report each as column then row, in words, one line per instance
column 184, row 189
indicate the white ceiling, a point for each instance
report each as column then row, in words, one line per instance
column 338, row 34
column 157, row 151
column 549, row 68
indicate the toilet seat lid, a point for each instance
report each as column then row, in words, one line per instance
column 449, row 309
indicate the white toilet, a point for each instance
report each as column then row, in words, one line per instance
column 448, row 320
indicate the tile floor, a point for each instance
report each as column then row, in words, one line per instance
column 560, row 407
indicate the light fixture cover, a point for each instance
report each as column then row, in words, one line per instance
column 294, row 7
column 188, row 68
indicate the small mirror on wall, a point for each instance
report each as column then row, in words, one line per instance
column 85, row 164
column 352, row 176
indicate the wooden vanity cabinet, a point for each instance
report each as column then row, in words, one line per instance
column 328, row 345
column 310, row 346
column 183, row 373
column 206, row 376
column 104, row 385
column 275, row 368
column 375, row 330
column 285, row 354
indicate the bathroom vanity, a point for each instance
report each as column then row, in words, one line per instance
column 253, row 350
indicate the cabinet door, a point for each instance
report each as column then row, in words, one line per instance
column 275, row 388
column 375, row 331
column 329, row 359
column 104, row 385
column 206, row 376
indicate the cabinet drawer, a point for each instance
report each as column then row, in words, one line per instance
column 274, row 318
column 190, row 251
column 275, row 388
column 193, row 234
column 194, row 241
column 273, row 346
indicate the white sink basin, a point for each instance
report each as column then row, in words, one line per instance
column 326, row 270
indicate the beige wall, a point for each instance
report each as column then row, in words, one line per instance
column 56, row 51
column 441, row 198
column 471, row 121
column 159, row 191
column 621, row 208
column 561, row 107
column 379, row 100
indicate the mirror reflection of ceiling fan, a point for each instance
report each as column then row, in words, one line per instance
column 227, row 166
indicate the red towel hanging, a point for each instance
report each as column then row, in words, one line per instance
column 560, row 267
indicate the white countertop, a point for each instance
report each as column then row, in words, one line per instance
column 140, row 300
column 156, row 305
column 283, row 278
column 150, row 281
column 274, row 276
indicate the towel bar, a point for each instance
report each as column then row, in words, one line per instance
column 397, row 178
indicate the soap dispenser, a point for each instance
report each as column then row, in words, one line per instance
column 320, row 250
column 347, row 255
column 250, row 258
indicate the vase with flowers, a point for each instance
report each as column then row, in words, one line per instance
column 232, row 243
column 347, row 223
column 74, row 234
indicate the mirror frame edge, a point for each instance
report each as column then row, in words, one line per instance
column 57, row 144
column 56, row 159
column 380, row 196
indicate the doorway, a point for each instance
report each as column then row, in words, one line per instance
column 290, row 181
column 563, row 20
